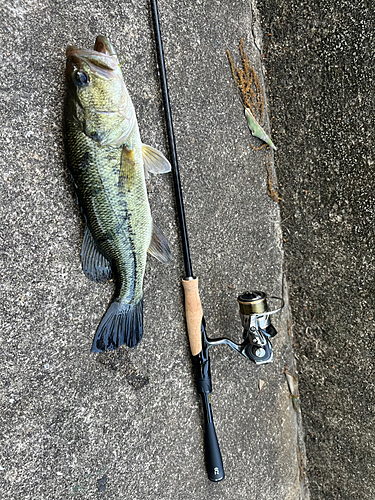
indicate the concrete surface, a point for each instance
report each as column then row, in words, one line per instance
column 129, row 424
column 321, row 73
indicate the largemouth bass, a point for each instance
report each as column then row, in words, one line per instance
column 108, row 164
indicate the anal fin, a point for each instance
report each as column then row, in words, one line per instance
column 159, row 246
column 95, row 266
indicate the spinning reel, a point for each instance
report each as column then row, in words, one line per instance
column 258, row 329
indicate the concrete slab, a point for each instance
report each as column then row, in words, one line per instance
column 321, row 77
column 129, row 424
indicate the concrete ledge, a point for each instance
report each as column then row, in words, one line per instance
column 129, row 424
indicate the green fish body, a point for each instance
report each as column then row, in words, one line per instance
column 108, row 164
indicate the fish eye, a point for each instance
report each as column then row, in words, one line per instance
column 81, row 78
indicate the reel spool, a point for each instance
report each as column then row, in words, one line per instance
column 258, row 329
column 255, row 318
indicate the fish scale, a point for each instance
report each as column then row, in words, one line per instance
column 105, row 158
column 106, row 209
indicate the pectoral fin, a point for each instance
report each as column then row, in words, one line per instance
column 256, row 129
column 95, row 266
column 159, row 246
column 154, row 161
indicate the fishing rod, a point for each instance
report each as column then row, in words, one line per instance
column 254, row 312
column 193, row 307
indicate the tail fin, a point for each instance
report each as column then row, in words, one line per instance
column 122, row 324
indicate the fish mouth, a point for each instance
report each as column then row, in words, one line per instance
column 102, row 60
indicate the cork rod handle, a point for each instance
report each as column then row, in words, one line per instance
column 194, row 314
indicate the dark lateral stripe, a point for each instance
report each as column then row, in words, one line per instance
column 126, row 230
column 119, row 239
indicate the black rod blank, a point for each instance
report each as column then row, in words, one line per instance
column 171, row 141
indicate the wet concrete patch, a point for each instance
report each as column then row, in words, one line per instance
column 119, row 362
